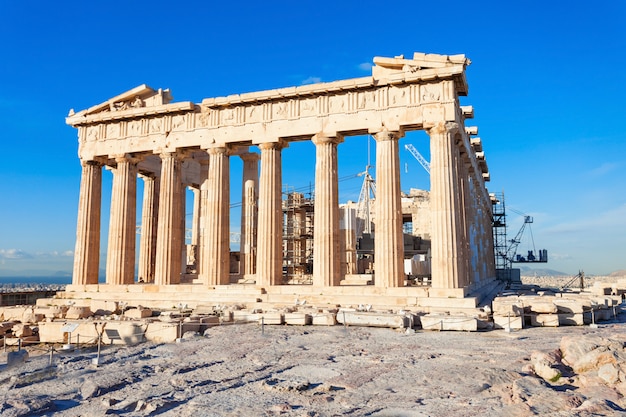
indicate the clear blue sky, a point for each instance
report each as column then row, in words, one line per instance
column 547, row 82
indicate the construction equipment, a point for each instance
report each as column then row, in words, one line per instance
column 423, row 162
column 364, row 206
column 530, row 257
column 506, row 250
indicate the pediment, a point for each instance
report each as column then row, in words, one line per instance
column 419, row 62
column 424, row 66
column 138, row 97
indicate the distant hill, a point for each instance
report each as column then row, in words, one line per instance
column 542, row 272
column 526, row 271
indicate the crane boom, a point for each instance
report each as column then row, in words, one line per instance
column 423, row 162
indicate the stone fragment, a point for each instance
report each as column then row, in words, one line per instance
column 21, row 330
column 271, row 317
column 544, row 320
column 372, row 319
column 245, row 316
column 104, row 307
column 210, row 321
column 571, row 319
column 570, row 306
column 507, row 322
column 78, row 312
column 6, row 326
column 507, row 306
column 14, row 313
column 543, row 305
column 298, row 319
column 138, row 313
column 448, row 322
column 324, row 319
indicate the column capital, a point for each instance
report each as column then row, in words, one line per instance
column 163, row 153
column 127, row 157
column 443, row 127
column 321, row 138
column 384, row 135
column 249, row 156
column 278, row 145
column 93, row 163
column 147, row 175
column 219, row 150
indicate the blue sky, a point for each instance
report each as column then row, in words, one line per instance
column 547, row 82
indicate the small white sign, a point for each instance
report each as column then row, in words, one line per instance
column 69, row 327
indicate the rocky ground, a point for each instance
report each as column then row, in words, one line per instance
column 247, row 370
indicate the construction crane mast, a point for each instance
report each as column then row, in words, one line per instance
column 423, row 162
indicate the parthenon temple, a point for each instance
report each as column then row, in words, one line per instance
column 173, row 146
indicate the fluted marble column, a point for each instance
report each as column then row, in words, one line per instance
column 149, row 226
column 203, row 197
column 169, row 236
column 487, row 218
column 388, row 240
column 270, row 230
column 326, row 263
column 249, row 213
column 476, row 246
column 216, row 251
column 87, row 250
column 466, row 278
column 195, row 222
column 445, row 207
column 120, row 266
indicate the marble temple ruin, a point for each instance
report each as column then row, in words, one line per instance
column 172, row 145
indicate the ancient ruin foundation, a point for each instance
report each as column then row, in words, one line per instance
column 173, row 145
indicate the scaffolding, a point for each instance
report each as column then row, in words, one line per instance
column 500, row 244
column 297, row 238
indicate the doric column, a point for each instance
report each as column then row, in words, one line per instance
column 326, row 265
column 195, row 217
column 169, row 236
column 182, row 224
column 149, row 225
column 203, row 197
column 487, row 218
column 445, row 207
column 269, row 235
column 466, row 277
column 249, row 212
column 216, row 251
column 475, row 229
column 120, row 267
column 87, row 251
column 388, row 238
